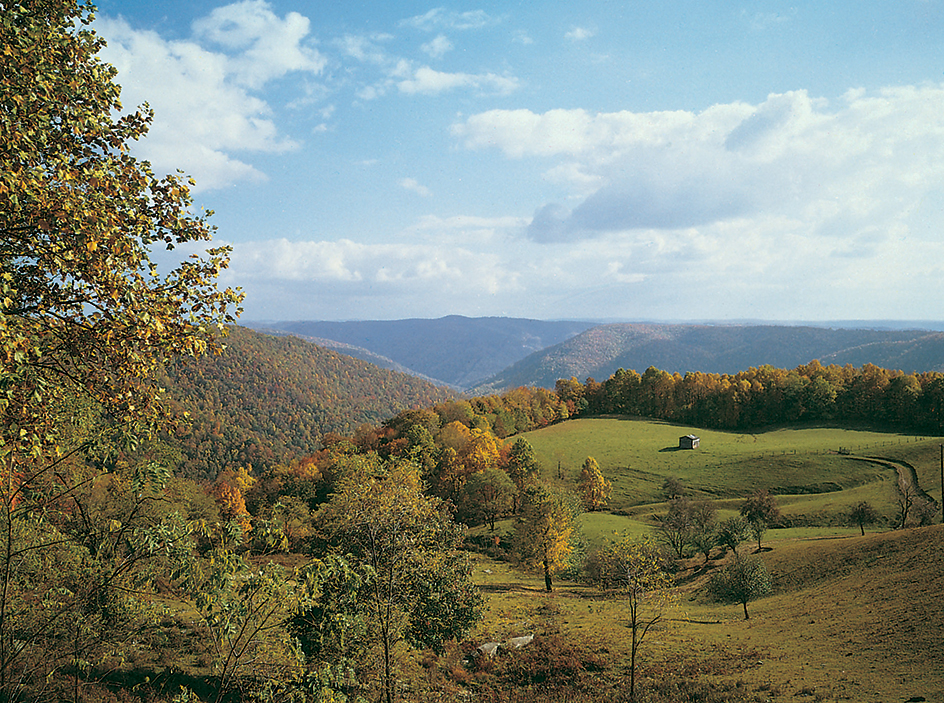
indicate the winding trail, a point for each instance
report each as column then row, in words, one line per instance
column 920, row 503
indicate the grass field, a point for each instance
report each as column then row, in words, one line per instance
column 851, row 618
column 816, row 472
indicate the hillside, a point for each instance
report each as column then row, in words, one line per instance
column 458, row 351
column 269, row 398
column 853, row 619
column 600, row 351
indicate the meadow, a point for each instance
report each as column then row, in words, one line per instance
column 850, row 617
column 816, row 472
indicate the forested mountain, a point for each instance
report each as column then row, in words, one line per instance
column 600, row 351
column 267, row 399
column 459, row 351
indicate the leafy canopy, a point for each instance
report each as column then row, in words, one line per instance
column 83, row 309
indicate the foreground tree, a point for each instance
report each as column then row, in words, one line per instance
column 85, row 316
column 421, row 589
column 636, row 569
column 742, row 581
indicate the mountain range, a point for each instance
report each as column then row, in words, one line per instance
column 485, row 355
column 455, row 351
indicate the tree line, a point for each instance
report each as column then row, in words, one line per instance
column 766, row 396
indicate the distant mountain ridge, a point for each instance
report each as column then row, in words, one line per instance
column 600, row 351
column 455, row 350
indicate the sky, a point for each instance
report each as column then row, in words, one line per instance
column 603, row 160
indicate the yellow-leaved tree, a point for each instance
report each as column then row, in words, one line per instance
column 595, row 490
column 86, row 318
column 546, row 533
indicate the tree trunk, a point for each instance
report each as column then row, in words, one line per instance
column 547, row 577
column 746, row 616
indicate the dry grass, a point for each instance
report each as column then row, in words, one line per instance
column 851, row 619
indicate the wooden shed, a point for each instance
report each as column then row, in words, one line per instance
column 688, row 441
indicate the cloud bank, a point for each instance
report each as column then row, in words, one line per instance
column 830, row 210
column 868, row 161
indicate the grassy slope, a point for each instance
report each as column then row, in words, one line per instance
column 858, row 618
column 853, row 618
column 802, row 466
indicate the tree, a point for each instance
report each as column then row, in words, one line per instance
column 760, row 510
column 86, row 318
column 421, row 590
column 862, row 514
column 594, row 489
column 637, row 570
column 675, row 527
column 545, row 535
column 673, row 488
column 487, row 496
column 732, row 532
column 742, row 581
column 702, row 535
column 332, row 625
column 523, row 468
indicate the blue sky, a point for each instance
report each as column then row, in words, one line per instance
column 698, row 160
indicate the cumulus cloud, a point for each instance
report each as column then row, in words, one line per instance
column 870, row 158
column 415, row 186
column 428, row 81
column 206, row 101
column 579, row 34
column 349, row 275
column 265, row 45
column 438, row 47
column 520, row 36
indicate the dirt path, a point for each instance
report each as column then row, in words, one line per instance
column 912, row 499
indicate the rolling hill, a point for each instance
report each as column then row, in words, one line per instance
column 598, row 352
column 267, row 399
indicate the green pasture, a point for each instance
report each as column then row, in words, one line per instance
column 816, row 473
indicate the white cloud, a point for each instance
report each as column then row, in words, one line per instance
column 265, row 45
column 762, row 21
column 364, row 48
column 743, row 267
column 520, row 36
column 440, row 18
column 205, row 102
column 580, row 34
column 413, row 185
column 428, row 81
column 438, row 47
column 357, row 271
column 868, row 160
